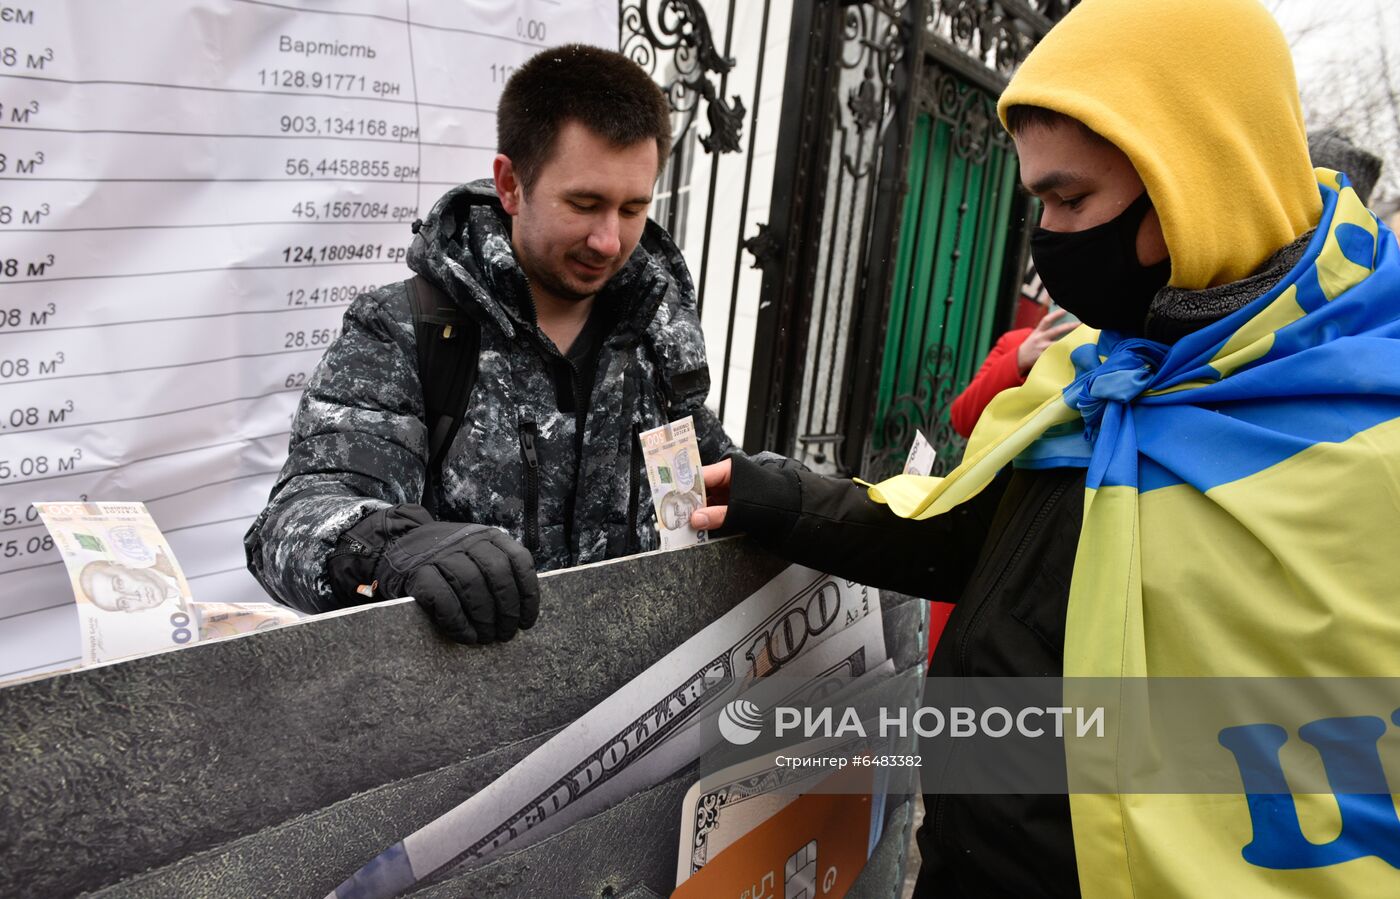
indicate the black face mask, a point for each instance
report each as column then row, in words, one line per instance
column 1095, row 273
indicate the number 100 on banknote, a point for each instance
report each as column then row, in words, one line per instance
column 132, row 596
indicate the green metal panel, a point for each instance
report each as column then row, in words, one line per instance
column 949, row 271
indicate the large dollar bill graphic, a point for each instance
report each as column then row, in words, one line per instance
column 672, row 455
column 132, row 596
column 801, row 623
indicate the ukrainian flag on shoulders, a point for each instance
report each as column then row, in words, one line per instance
column 1242, row 519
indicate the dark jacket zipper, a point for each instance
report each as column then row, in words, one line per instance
column 353, row 547
column 634, row 542
column 580, row 425
column 532, row 485
column 581, row 404
column 1036, row 524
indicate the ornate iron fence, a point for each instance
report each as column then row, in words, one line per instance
column 847, row 101
column 962, row 251
column 885, row 302
column 878, row 277
column 951, row 271
column 712, row 60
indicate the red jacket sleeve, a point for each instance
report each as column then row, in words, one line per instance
column 998, row 372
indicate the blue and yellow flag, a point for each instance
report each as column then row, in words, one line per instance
column 1241, row 516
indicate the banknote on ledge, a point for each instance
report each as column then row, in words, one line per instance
column 673, row 469
column 132, row 596
column 802, row 623
column 228, row 619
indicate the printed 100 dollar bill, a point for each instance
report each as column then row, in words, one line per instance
column 802, row 623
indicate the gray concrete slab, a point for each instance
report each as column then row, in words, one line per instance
column 278, row 763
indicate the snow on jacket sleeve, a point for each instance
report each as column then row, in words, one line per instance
column 358, row 444
column 998, row 372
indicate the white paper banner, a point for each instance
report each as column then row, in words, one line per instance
column 190, row 194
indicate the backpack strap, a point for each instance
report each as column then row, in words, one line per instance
column 449, row 347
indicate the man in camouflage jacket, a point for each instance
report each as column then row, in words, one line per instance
column 546, row 469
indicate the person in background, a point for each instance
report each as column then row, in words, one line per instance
column 1006, row 366
column 1331, row 149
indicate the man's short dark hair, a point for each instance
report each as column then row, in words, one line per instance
column 1021, row 117
column 604, row 91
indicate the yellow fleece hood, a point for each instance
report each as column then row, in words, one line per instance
column 1202, row 97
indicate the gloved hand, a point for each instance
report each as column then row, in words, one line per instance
column 476, row 583
column 767, row 459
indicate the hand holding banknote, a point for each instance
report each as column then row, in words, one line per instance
column 717, row 478
column 672, row 455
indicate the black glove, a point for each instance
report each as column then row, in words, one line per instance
column 476, row 583
column 767, row 459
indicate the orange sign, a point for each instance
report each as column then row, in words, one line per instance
column 813, row 849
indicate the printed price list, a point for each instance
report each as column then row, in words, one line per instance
column 191, row 193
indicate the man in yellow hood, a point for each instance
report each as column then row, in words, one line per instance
column 1200, row 483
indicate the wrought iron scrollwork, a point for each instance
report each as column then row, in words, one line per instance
column 681, row 28
column 972, row 112
column 726, row 122
column 995, row 34
column 763, row 246
column 874, row 43
column 864, row 102
column 925, row 410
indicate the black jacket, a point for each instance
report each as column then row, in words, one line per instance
column 559, row 471
column 1005, row 558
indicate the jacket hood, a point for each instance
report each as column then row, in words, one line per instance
column 464, row 247
column 1201, row 95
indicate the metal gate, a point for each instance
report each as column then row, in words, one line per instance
column 718, row 62
column 951, row 276
column 903, row 242
column 826, row 254
column 874, row 196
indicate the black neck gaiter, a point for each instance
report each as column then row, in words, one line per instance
column 1095, row 273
